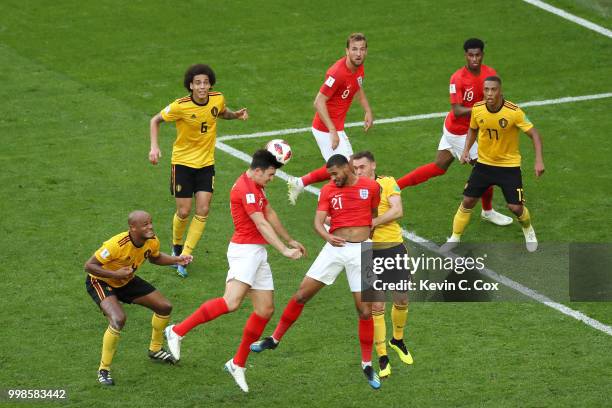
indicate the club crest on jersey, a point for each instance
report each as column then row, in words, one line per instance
column 503, row 123
column 363, row 193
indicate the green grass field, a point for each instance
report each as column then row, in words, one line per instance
column 79, row 85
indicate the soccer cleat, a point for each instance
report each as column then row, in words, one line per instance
column 238, row 374
column 495, row 218
column 105, row 378
column 531, row 242
column 176, row 251
column 267, row 343
column 450, row 244
column 385, row 367
column 401, row 350
column 372, row 377
column 295, row 188
column 181, row 271
column 163, row 356
column 174, row 342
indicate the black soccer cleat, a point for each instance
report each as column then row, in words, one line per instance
column 372, row 377
column 162, row 356
column 267, row 343
column 105, row 378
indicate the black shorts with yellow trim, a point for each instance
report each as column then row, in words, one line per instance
column 185, row 181
column 135, row 288
column 509, row 179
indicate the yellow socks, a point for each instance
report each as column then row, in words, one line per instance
column 196, row 229
column 399, row 315
column 159, row 323
column 380, row 332
column 461, row 220
column 109, row 346
column 525, row 218
column 178, row 229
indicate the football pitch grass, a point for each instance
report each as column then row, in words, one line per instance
column 79, row 85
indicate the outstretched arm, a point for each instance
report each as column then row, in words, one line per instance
column 242, row 114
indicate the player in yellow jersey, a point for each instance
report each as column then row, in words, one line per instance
column 497, row 123
column 388, row 243
column 193, row 153
column 111, row 279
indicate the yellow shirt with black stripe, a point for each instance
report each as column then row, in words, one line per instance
column 498, row 133
column 391, row 231
column 120, row 251
column 196, row 129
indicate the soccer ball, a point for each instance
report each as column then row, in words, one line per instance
column 280, row 149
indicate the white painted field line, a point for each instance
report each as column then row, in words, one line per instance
column 281, row 132
column 432, row 246
column 568, row 16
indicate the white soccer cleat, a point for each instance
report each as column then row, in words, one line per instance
column 531, row 242
column 295, row 187
column 238, row 374
column 174, row 342
column 495, row 218
column 450, row 244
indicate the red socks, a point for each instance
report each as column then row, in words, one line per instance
column 419, row 175
column 487, row 199
column 207, row 311
column 316, row 176
column 253, row 329
column 290, row 315
column 366, row 338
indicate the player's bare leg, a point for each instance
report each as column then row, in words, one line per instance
column 307, row 290
column 161, row 308
column 366, row 339
column 113, row 311
column 522, row 213
column 263, row 308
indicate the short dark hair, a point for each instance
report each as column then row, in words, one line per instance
column 473, row 43
column 493, row 78
column 199, row 69
column 336, row 160
column 263, row 159
column 364, row 153
column 356, row 37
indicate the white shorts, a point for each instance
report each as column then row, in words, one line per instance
column 332, row 260
column 248, row 263
column 323, row 140
column 455, row 144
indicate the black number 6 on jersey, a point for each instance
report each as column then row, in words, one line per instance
column 204, row 127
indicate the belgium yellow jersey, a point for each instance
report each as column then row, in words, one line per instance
column 196, row 129
column 498, row 133
column 120, row 251
column 391, row 231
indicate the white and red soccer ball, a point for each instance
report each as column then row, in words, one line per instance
column 280, row 149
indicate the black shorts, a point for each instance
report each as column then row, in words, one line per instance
column 100, row 290
column 186, row 181
column 509, row 179
column 392, row 253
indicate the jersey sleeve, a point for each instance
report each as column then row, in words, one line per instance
column 522, row 121
column 248, row 199
column 171, row 112
column 222, row 106
column 107, row 252
column 323, row 204
column 454, row 89
column 331, row 84
column 155, row 247
column 473, row 121
column 392, row 188
column 375, row 190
